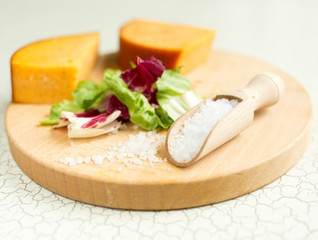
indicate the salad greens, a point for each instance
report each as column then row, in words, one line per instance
column 171, row 84
column 89, row 93
column 140, row 111
column 177, row 106
column 174, row 95
column 56, row 110
column 147, row 95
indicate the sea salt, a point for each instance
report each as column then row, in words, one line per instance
column 137, row 150
column 98, row 159
column 79, row 160
column 68, row 160
column 71, row 162
column 136, row 161
column 189, row 140
column 87, row 160
column 62, row 160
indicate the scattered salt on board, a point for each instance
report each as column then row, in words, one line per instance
column 189, row 140
column 137, row 150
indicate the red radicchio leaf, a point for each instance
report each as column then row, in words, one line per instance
column 93, row 123
column 114, row 104
column 152, row 97
column 88, row 113
column 144, row 75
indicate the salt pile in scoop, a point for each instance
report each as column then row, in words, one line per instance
column 189, row 140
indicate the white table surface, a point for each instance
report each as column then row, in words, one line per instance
column 283, row 33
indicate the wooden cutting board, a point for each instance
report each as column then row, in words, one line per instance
column 262, row 153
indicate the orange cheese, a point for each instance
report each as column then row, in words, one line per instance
column 173, row 44
column 48, row 71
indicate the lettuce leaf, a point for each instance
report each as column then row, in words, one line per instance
column 56, row 110
column 174, row 93
column 89, row 93
column 177, row 106
column 140, row 111
column 171, row 85
column 165, row 120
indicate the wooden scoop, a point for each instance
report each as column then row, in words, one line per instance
column 262, row 91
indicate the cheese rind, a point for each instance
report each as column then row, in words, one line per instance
column 173, row 44
column 48, row 71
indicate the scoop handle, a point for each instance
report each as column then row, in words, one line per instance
column 265, row 89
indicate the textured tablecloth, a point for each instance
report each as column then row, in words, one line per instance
column 283, row 33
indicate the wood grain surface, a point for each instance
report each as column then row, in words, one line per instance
column 262, row 153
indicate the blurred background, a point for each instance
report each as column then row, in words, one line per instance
column 283, row 32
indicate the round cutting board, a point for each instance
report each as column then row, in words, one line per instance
column 265, row 151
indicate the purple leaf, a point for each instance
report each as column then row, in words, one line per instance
column 114, row 104
column 88, row 113
column 93, row 123
column 152, row 97
column 144, row 75
column 98, row 121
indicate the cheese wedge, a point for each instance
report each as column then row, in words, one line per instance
column 48, row 71
column 173, row 44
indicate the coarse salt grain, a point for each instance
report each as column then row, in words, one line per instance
column 139, row 148
column 72, row 162
column 189, row 140
column 136, row 161
column 98, row 159
column 67, row 160
column 62, row 160
column 136, row 150
column 79, row 160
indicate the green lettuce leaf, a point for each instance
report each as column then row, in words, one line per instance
column 177, row 106
column 171, row 85
column 89, row 93
column 56, row 110
column 112, row 72
column 165, row 120
column 174, row 94
column 140, row 111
